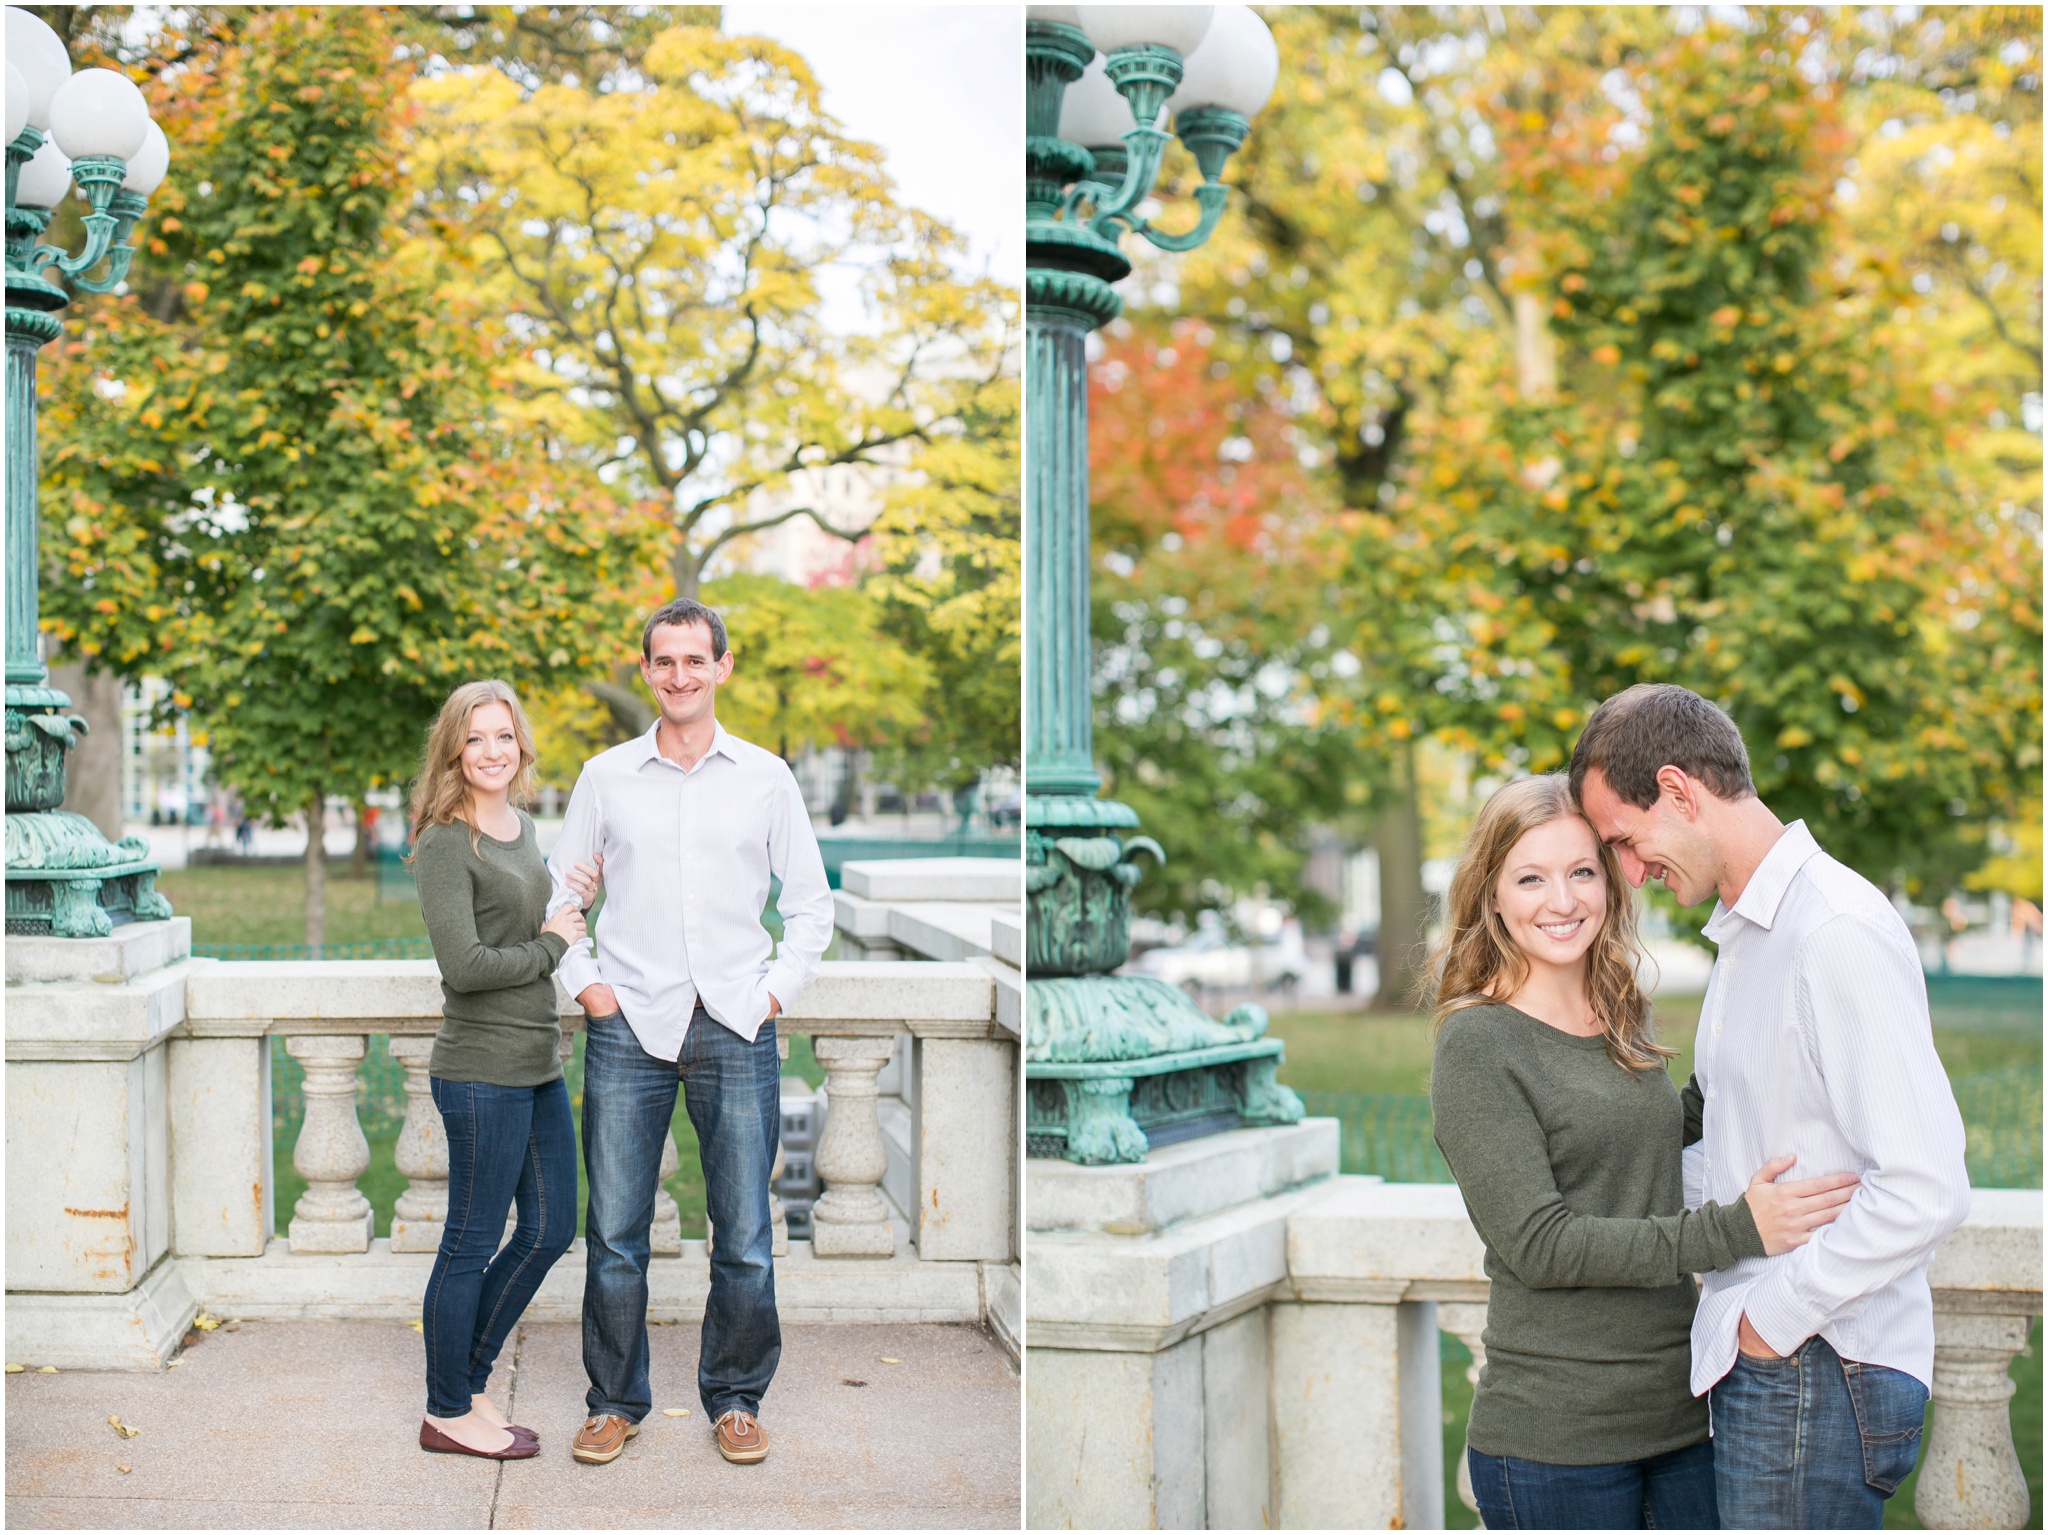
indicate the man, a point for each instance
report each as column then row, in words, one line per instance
column 685, row 824
column 1814, row 1040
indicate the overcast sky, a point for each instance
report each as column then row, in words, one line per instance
column 941, row 89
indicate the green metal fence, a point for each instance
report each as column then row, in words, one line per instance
column 1390, row 1133
column 1384, row 1133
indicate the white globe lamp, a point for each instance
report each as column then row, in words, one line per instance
column 44, row 179
column 36, row 51
column 99, row 113
column 1092, row 114
column 1236, row 67
column 17, row 103
column 1179, row 27
column 147, row 166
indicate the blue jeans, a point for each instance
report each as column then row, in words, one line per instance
column 504, row 1144
column 733, row 1091
column 1813, row 1441
column 1674, row 1491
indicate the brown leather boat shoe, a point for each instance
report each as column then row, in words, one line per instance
column 741, row 1439
column 602, row 1439
column 431, row 1438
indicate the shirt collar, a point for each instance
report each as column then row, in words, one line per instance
column 647, row 749
column 1766, row 889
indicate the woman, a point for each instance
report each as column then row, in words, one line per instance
column 1555, row 1114
column 496, row 1071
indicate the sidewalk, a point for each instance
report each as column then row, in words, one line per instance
column 314, row 1425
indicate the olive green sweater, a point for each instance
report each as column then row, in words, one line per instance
column 484, row 910
column 1569, row 1165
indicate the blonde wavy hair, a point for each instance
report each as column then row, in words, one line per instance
column 1476, row 961
column 442, row 794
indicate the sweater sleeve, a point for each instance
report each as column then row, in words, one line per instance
column 1694, row 1104
column 1496, row 1148
column 442, row 869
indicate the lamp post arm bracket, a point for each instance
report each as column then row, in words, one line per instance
column 1212, row 196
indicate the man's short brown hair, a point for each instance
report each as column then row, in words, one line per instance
column 679, row 613
column 1655, row 725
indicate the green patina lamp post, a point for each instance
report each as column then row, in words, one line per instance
column 1114, row 1064
column 91, row 128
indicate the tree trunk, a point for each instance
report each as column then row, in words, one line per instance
column 849, row 786
column 92, row 773
column 1399, row 840
column 687, row 568
column 359, row 857
column 624, row 698
column 1535, row 349
column 316, row 872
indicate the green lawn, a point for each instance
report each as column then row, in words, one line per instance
column 1388, row 1053
column 266, row 904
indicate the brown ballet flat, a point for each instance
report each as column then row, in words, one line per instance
column 431, row 1438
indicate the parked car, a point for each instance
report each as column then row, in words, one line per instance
column 1212, row 960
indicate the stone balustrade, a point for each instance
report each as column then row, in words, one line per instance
column 140, row 1171
column 1230, row 1335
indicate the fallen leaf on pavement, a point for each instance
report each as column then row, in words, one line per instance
column 16, row 1369
column 114, row 1420
column 417, row 1325
column 850, row 1381
column 675, row 1412
column 48, row 1369
column 124, row 1470
column 887, row 1360
column 205, row 1323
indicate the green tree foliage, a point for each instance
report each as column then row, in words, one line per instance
column 278, row 479
column 950, row 587
column 1635, row 352
column 1216, row 564
column 659, row 248
column 812, row 666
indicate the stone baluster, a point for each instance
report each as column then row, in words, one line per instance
column 851, row 1220
column 422, row 1155
column 1970, row 1478
column 331, row 1216
column 665, row 1239
column 778, row 1218
column 1466, row 1321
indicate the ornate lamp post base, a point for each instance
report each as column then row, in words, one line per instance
column 1114, row 1064
column 1117, row 1064
column 64, row 879
column 1117, row 1110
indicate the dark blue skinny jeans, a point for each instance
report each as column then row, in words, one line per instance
column 1813, row 1441
column 505, row 1144
column 1674, row 1491
column 733, row 1091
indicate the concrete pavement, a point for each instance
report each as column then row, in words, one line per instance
column 295, row 1425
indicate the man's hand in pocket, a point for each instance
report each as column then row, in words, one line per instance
column 1751, row 1342
column 597, row 1000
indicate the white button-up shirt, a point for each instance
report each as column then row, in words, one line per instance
column 1814, row 1041
column 687, row 860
